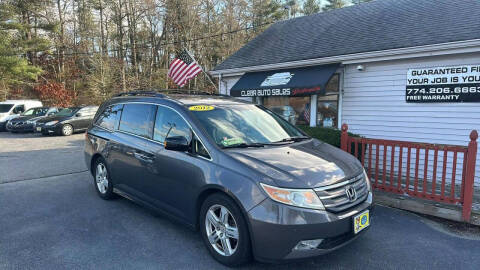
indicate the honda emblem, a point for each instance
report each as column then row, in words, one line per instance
column 351, row 193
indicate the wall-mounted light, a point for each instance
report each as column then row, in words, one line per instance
column 360, row 67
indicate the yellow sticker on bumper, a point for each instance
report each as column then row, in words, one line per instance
column 361, row 221
column 201, row 108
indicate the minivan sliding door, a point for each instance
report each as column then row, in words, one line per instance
column 132, row 161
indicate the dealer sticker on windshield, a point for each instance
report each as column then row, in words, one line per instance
column 201, row 108
column 232, row 141
column 361, row 221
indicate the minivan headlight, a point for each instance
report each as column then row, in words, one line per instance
column 365, row 175
column 306, row 198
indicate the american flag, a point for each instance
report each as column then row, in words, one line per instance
column 306, row 113
column 183, row 68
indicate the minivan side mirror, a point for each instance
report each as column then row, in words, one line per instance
column 176, row 143
column 78, row 114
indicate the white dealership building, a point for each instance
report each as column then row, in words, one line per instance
column 404, row 70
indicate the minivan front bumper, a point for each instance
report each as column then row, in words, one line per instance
column 277, row 228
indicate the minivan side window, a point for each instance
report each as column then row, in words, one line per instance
column 108, row 118
column 199, row 149
column 170, row 123
column 137, row 119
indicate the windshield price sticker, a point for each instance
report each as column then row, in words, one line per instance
column 444, row 84
column 201, row 108
column 232, row 141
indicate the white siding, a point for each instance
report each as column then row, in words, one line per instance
column 227, row 83
column 374, row 105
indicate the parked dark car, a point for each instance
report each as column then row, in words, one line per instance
column 67, row 121
column 252, row 183
column 27, row 120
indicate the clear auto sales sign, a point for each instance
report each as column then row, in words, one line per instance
column 444, row 84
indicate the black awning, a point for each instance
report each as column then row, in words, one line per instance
column 303, row 81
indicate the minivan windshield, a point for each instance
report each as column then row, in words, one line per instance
column 67, row 112
column 245, row 125
column 5, row 108
column 35, row 111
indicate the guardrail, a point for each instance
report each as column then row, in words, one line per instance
column 442, row 173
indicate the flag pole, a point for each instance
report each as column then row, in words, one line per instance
column 208, row 76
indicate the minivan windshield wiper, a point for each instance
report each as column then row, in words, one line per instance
column 292, row 139
column 244, row 145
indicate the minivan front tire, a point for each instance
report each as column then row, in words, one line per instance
column 222, row 225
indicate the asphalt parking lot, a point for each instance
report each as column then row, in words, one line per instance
column 51, row 218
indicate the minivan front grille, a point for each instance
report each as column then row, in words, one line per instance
column 341, row 196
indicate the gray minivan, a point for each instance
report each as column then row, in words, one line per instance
column 252, row 183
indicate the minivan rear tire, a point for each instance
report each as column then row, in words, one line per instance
column 107, row 193
column 242, row 254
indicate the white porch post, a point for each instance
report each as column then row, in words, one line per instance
column 259, row 100
column 313, row 110
column 340, row 98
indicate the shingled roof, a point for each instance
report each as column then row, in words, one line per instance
column 374, row 26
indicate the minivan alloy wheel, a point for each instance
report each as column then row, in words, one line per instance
column 101, row 178
column 222, row 230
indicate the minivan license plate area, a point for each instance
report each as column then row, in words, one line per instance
column 39, row 129
column 361, row 221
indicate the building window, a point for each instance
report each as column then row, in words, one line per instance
column 327, row 106
column 291, row 109
column 296, row 110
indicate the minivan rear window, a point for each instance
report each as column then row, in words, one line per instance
column 108, row 118
column 137, row 119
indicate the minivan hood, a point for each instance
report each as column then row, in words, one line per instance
column 307, row 164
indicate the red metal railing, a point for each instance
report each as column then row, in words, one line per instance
column 396, row 166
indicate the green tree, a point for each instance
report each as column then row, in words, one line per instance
column 311, row 7
column 19, row 43
column 334, row 4
column 14, row 70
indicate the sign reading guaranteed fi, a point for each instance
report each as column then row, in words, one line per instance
column 444, row 84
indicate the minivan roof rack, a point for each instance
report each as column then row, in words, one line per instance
column 141, row 93
column 162, row 93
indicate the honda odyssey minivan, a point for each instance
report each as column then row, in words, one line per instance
column 254, row 185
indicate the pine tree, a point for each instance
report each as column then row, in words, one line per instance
column 19, row 44
column 334, row 4
column 311, row 7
